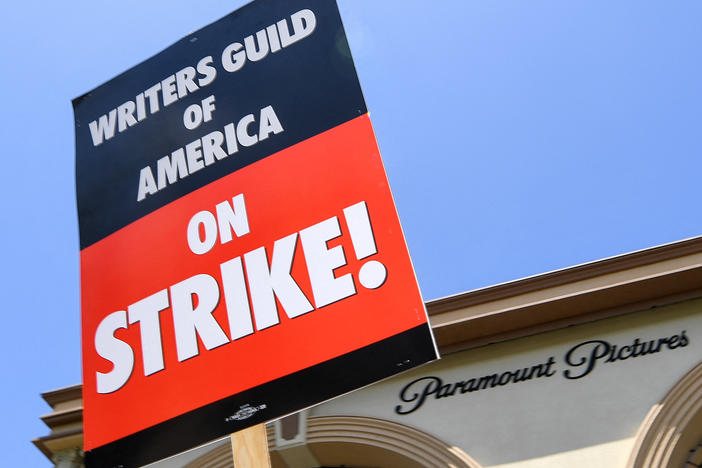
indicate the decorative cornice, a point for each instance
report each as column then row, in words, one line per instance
column 60, row 418
column 606, row 288
column 44, row 443
column 62, row 395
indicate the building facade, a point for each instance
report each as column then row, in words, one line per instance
column 597, row 365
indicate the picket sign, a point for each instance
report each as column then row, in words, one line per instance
column 238, row 237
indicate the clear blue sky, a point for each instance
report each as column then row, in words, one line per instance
column 518, row 137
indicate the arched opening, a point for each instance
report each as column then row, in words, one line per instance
column 671, row 434
column 359, row 442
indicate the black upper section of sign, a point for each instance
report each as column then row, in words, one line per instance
column 311, row 85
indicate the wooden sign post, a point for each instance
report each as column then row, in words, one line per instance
column 250, row 447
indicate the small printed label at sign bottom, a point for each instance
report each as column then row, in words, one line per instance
column 245, row 412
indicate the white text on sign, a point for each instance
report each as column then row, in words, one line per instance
column 249, row 283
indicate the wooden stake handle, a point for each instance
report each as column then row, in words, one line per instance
column 250, row 448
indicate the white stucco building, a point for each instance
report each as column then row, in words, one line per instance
column 597, row 365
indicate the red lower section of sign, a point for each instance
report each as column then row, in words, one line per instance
column 265, row 402
column 319, row 268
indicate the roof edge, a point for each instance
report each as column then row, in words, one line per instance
column 566, row 275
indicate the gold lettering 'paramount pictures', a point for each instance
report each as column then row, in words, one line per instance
column 578, row 362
